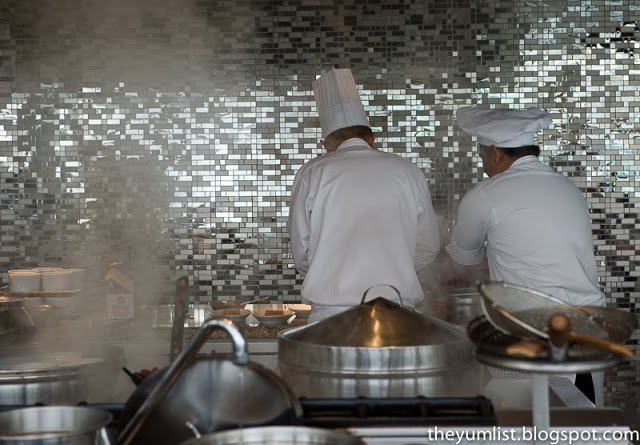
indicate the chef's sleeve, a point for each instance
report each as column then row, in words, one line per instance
column 428, row 235
column 299, row 223
column 466, row 245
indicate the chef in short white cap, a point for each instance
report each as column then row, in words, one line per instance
column 531, row 221
column 358, row 216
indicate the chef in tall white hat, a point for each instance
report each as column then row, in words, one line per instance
column 358, row 216
column 531, row 222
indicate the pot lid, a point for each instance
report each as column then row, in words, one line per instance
column 30, row 362
column 378, row 323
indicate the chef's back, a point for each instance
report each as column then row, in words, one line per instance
column 541, row 235
column 359, row 216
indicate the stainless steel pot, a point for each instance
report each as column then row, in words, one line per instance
column 32, row 375
column 55, row 425
column 281, row 435
column 456, row 305
column 379, row 349
column 206, row 393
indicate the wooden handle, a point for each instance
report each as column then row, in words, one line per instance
column 603, row 344
column 559, row 330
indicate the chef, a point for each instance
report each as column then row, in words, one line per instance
column 532, row 222
column 359, row 217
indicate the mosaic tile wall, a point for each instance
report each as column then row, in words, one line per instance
column 166, row 136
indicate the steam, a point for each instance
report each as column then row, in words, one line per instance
column 168, row 45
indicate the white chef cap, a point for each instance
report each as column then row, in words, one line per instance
column 338, row 101
column 502, row 127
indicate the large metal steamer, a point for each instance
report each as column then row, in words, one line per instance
column 39, row 369
column 379, row 349
column 34, row 375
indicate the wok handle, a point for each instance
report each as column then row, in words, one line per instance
column 559, row 330
column 559, row 333
column 387, row 285
column 603, row 344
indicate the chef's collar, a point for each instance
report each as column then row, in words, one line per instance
column 353, row 142
column 525, row 160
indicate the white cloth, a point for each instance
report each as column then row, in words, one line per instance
column 507, row 128
column 361, row 217
column 538, row 232
column 338, row 101
column 320, row 312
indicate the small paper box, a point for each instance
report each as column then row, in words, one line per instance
column 119, row 306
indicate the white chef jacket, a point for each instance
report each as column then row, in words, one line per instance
column 538, row 232
column 361, row 217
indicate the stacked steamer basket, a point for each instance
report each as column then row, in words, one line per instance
column 43, row 280
column 50, row 292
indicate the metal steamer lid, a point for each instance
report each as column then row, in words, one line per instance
column 376, row 324
column 32, row 364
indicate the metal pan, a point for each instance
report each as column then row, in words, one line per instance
column 525, row 312
column 208, row 393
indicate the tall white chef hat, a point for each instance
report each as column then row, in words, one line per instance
column 338, row 101
column 502, row 127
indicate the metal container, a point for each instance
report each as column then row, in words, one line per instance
column 282, row 435
column 457, row 305
column 379, row 349
column 32, row 375
column 55, row 425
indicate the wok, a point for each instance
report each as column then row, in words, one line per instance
column 206, row 393
column 525, row 312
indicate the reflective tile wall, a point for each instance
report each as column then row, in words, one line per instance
column 165, row 135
